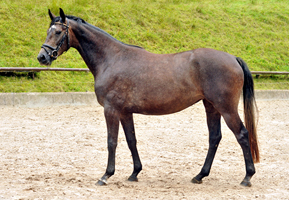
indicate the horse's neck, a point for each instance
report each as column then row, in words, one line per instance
column 94, row 47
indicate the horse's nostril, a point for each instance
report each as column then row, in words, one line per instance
column 41, row 58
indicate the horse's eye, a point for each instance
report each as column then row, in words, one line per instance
column 57, row 32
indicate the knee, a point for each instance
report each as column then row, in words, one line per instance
column 215, row 140
column 111, row 145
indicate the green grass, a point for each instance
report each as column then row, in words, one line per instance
column 256, row 30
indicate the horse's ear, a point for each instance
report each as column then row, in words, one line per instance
column 51, row 15
column 62, row 15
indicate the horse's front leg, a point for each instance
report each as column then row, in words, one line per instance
column 128, row 127
column 112, row 123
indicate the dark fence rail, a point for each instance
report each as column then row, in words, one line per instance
column 39, row 69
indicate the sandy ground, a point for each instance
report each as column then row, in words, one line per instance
column 60, row 152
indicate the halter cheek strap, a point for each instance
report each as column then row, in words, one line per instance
column 54, row 53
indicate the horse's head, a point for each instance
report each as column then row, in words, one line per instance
column 57, row 40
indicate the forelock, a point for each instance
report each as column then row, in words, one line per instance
column 56, row 19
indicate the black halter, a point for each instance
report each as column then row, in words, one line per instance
column 54, row 53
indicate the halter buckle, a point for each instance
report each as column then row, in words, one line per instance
column 54, row 54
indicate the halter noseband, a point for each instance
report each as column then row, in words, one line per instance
column 54, row 53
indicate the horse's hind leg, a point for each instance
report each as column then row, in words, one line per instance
column 128, row 127
column 214, row 126
column 241, row 133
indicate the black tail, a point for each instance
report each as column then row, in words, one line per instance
column 249, row 109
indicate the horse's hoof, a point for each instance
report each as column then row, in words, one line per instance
column 133, row 179
column 101, row 182
column 194, row 180
column 246, row 183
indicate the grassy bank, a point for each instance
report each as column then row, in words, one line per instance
column 256, row 30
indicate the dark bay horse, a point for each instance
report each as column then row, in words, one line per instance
column 129, row 79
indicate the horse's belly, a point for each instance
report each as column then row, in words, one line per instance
column 162, row 106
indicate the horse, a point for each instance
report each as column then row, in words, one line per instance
column 128, row 79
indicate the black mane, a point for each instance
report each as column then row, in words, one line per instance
column 80, row 20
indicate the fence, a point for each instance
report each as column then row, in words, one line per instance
column 263, row 79
column 39, row 69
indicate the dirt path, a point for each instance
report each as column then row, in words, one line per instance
column 60, row 152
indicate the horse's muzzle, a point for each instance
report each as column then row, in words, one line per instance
column 44, row 59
